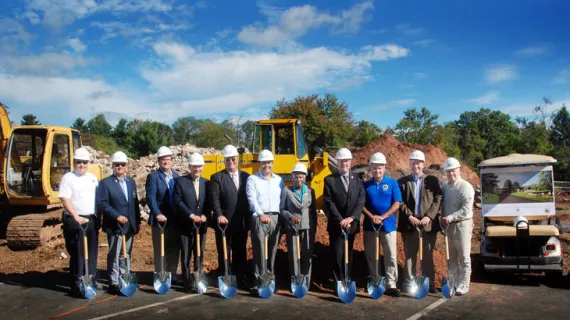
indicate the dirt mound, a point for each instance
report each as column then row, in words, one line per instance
column 397, row 153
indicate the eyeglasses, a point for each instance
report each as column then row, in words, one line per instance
column 232, row 159
column 81, row 162
column 120, row 164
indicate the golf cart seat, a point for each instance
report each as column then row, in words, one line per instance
column 511, row 231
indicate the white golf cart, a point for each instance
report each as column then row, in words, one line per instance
column 520, row 228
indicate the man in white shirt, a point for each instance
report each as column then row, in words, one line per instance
column 77, row 191
column 457, row 222
column 264, row 190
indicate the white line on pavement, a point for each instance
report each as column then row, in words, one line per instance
column 423, row 312
column 188, row 296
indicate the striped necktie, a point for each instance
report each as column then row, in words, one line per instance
column 345, row 182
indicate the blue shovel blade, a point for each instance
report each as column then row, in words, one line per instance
column 128, row 288
column 299, row 286
column 376, row 287
column 446, row 289
column 88, row 289
column 162, row 282
column 266, row 289
column 423, row 289
column 227, row 286
column 346, row 293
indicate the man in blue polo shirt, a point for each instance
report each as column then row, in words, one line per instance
column 383, row 199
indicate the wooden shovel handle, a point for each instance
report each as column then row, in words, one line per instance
column 124, row 246
column 377, row 248
column 198, row 244
column 162, row 244
column 345, row 251
column 446, row 248
column 225, row 248
column 85, row 253
column 265, row 253
column 298, row 248
column 421, row 248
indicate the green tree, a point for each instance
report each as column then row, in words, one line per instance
column 485, row 134
column 247, row 131
column 328, row 121
column 99, row 126
column 560, row 138
column 534, row 138
column 417, row 126
column 447, row 138
column 145, row 137
column 120, row 132
column 210, row 134
column 185, row 129
column 80, row 125
column 29, row 120
column 364, row 133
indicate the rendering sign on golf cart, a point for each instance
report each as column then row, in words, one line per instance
column 520, row 228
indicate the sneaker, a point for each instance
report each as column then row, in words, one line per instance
column 114, row 289
column 394, row 292
column 462, row 290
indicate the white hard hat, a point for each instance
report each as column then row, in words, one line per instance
column 343, row 154
column 451, row 163
column 230, row 151
column 265, row 155
column 299, row 168
column 119, row 157
column 81, row 154
column 378, row 158
column 163, row 152
column 522, row 225
column 417, row 155
column 196, row 159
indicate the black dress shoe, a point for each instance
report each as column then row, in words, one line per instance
column 114, row 289
column 394, row 292
column 432, row 289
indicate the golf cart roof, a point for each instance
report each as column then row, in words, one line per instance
column 517, row 159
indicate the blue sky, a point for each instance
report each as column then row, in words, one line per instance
column 164, row 59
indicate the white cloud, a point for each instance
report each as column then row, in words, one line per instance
column 113, row 29
column 12, row 34
column 56, row 14
column 395, row 103
column 76, row 45
column 288, row 25
column 424, row 42
column 533, row 51
column 408, row 30
column 563, row 77
column 44, row 64
column 487, row 98
column 500, row 73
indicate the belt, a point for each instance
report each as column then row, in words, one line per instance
column 271, row 213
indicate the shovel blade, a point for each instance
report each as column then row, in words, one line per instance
column 346, row 290
column 87, row 287
column 376, row 287
column 162, row 282
column 299, row 286
column 227, row 285
column 447, row 288
column 422, row 287
column 267, row 286
column 128, row 284
column 200, row 283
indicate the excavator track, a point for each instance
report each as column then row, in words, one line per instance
column 29, row 231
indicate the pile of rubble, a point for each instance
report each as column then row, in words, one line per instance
column 139, row 169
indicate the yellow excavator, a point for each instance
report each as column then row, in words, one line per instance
column 34, row 159
column 285, row 139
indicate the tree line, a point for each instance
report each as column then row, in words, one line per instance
column 328, row 123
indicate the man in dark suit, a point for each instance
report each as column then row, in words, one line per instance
column 344, row 200
column 420, row 208
column 230, row 206
column 118, row 201
column 159, row 194
column 192, row 208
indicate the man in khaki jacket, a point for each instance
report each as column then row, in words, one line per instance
column 419, row 210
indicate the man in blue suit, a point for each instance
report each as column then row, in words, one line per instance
column 159, row 192
column 192, row 208
column 118, row 201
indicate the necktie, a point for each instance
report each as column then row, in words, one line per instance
column 197, row 188
column 171, row 188
column 345, row 181
column 234, row 178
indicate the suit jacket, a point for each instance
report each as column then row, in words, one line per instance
column 158, row 196
column 430, row 204
column 290, row 205
column 229, row 202
column 186, row 204
column 340, row 204
column 112, row 203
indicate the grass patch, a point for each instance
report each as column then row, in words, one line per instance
column 544, row 198
column 490, row 198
